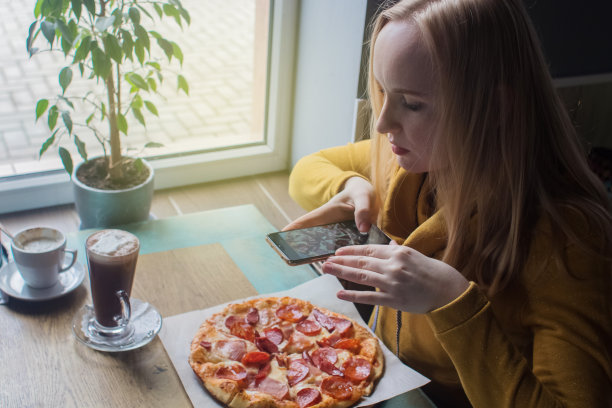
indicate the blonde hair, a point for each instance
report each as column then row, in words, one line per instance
column 510, row 152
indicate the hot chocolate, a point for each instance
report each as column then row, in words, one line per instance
column 112, row 256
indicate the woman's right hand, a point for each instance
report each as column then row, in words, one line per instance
column 357, row 199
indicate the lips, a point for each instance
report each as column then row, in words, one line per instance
column 399, row 150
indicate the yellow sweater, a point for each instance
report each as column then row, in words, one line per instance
column 545, row 341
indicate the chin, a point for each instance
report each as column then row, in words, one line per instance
column 411, row 166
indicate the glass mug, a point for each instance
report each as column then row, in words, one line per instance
column 111, row 257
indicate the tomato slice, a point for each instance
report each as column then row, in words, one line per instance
column 255, row 357
column 352, row 345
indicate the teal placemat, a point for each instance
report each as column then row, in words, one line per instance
column 241, row 230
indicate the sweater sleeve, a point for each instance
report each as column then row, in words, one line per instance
column 567, row 363
column 316, row 178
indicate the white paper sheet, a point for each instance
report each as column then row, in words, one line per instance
column 178, row 331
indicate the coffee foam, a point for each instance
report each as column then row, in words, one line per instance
column 112, row 243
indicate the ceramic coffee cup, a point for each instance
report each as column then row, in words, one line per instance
column 39, row 255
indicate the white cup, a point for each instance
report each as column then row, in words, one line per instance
column 39, row 255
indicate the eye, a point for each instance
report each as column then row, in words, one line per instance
column 411, row 106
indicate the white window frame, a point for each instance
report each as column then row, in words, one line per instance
column 51, row 188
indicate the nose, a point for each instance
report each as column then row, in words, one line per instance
column 386, row 122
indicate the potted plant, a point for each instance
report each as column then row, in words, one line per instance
column 108, row 44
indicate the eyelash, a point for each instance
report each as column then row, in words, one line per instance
column 411, row 106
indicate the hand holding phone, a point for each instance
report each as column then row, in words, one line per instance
column 307, row 245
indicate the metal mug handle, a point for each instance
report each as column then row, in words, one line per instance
column 72, row 252
column 126, row 310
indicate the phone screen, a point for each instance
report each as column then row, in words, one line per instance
column 315, row 243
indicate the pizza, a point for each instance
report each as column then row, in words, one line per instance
column 282, row 352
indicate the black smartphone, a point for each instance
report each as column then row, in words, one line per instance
column 307, row 245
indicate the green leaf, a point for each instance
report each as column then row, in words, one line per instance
column 31, row 37
column 122, row 124
column 66, row 160
column 47, row 143
column 154, row 65
column 134, row 15
column 112, row 48
column 139, row 51
column 158, row 9
column 139, row 165
column 177, row 52
column 89, row 118
column 128, row 43
column 65, row 77
column 81, row 68
column 66, row 46
column 153, row 144
column 142, row 35
column 152, row 84
column 67, row 121
column 151, row 107
column 83, row 49
column 76, row 8
column 138, row 114
column 101, row 63
column 66, row 101
column 64, row 31
column 41, row 107
column 137, row 102
column 102, row 23
column 137, row 80
column 91, row 6
column 37, row 7
column 182, row 84
column 52, row 118
column 166, row 46
column 185, row 15
column 80, row 147
column 48, row 30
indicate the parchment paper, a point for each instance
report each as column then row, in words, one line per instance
column 178, row 331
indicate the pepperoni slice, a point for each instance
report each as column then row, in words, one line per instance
column 243, row 330
column 274, row 334
column 206, row 344
column 291, row 313
column 255, row 357
column 252, row 316
column 330, row 368
column 298, row 370
column 306, row 357
column 263, row 372
column 266, row 345
column 352, row 345
column 324, row 320
column 232, row 349
column 324, row 354
column 233, row 372
column 342, row 326
column 308, row 327
column 298, row 343
column 307, row 397
column 337, row 387
column 357, row 369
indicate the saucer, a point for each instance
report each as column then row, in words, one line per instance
column 142, row 328
column 13, row 284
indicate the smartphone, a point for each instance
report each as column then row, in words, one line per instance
column 308, row 245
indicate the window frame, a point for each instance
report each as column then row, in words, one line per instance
column 38, row 190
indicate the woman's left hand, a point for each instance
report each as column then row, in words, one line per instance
column 407, row 280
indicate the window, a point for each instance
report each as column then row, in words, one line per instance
column 238, row 59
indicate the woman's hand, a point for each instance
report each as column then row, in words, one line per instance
column 357, row 199
column 407, row 280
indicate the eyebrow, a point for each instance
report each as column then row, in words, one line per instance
column 409, row 91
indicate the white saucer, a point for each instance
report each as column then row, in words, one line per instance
column 13, row 284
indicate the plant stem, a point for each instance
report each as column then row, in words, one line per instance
column 114, row 164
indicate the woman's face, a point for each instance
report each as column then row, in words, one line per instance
column 404, row 75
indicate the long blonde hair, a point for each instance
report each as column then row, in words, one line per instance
column 510, row 152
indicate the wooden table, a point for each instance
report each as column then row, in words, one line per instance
column 187, row 262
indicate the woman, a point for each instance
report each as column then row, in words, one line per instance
column 500, row 291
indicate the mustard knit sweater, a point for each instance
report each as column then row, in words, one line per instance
column 545, row 341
